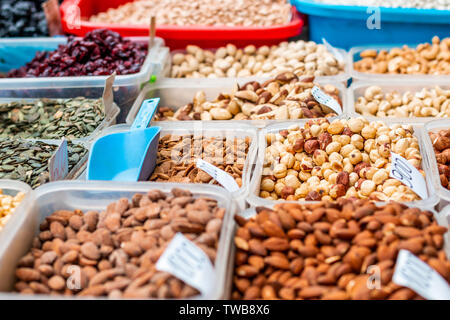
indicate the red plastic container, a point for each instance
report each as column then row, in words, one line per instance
column 177, row 37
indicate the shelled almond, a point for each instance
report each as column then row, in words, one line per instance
column 329, row 250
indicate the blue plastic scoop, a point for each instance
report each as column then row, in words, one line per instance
column 129, row 155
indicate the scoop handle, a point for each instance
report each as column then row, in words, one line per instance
column 145, row 114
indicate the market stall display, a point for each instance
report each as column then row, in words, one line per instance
column 323, row 250
column 230, row 158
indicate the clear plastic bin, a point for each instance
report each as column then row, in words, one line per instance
column 179, row 92
column 96, row 195
column 166, row 68
column 109, row 119
column 435, row 126
column 442, row 218
column 78, row 169
column 353, row 56
column 357, row 90
column 210, row 129
column 19, row 51
column 255, row 200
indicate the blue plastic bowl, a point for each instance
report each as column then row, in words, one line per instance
column 346, row 26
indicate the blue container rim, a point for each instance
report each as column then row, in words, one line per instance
column 432, row 16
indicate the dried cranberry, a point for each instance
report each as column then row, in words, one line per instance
column 100, row 52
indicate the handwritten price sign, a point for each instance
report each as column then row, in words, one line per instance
column 407, row 174
column 58, row 164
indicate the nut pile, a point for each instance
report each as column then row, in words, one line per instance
column 426, row 58
column 324, row 251
column 300, row 57
column 27, row 161
column 115, row 251
column 177, row 155
column 100, row 52
column 7, row 206
column 441, row 146
column 344, row 158
column 284, row 97
column 419, row 4
column 199, row 12
column 433, row 102
column 51, row 119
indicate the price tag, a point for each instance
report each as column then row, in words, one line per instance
column 108, row 95
column 326, row 100
column 335, row 52
column 415, row 274
column 183, row 259
column 226, row 180
column 152, row 32
column 58, row 164
column 407, row 174
column 53, row 17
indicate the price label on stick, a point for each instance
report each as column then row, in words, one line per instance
column 335, row 52
column 415, row 274
column 108, row 95
column 58, row 164
column 183, row 259
column 326, row 100
column 407, row 174
column 226, row 180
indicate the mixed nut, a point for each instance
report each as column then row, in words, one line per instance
column 114, row 252
column 330, row 250
column 8, row 204
column 27, row 161
column 343, row 158
column 426, row 58
column 200, row 12
column 441, row 146
column 299, row 57
column 284, row 97
column 50, row 119
column 177, row 155
column 434, row 102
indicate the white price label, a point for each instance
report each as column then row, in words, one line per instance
column 226, row 180
column 58, row 164
column 335, row 52
column 326, row 100
column 407, row 174
column 415, row 274
column 183, row 259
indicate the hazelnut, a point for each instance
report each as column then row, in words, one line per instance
column 311, row 146
column 325, row 139
column 298, row 145
column 337, row 191
column 313, row 196
column 360, row 166
column 287, row 191
column 343, row 178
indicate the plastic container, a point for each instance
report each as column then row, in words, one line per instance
column 22, row 50
column 341, row 77
column 177, row 37
column 171, row 95
column 354, row 55
column 442, row 192
column 78, row 169
column 208, row 129
column 255, row 200
column 442, row 218
column 109, row 119
column 96, row 196
column 397, row 25
column 357, row 90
